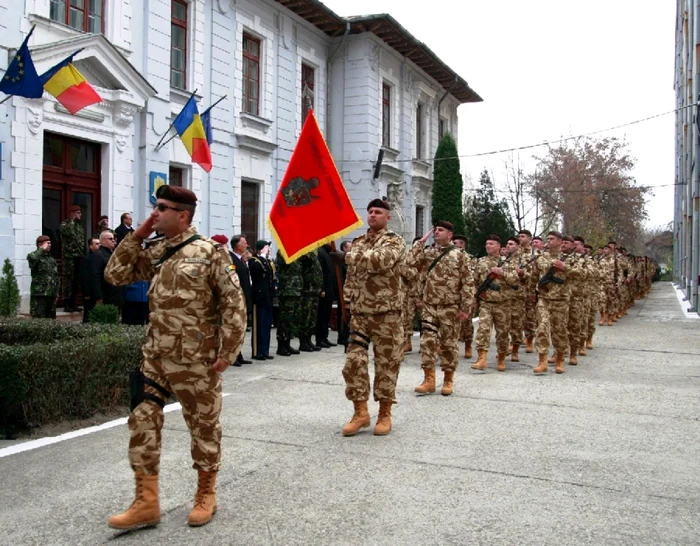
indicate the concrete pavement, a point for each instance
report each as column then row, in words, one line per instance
column 605, row 454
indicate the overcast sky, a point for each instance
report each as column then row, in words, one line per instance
column 553, row 68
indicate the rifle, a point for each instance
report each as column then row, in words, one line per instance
column 488, row 284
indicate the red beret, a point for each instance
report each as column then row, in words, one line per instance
column 221, row 239
column 177, row 194
column 74, row 208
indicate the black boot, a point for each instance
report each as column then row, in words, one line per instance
column 313, row 346
column 291, row 349
column 304, row 345
column 282, row 349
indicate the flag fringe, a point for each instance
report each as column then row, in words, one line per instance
column 313, row 246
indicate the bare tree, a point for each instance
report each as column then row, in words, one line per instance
column 527, row 209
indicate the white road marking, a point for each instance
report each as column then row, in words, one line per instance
column 41, row 442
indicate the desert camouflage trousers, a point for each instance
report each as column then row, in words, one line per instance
column 466, row 331
column 591, row 304
column 409, row 314
column 493, row 315
column 577, row 323
column 440, row 324
column 552, row 320
column 517, row 320
column 385, row 332
column 530, row 325
column 612, row 302
column 198, row 389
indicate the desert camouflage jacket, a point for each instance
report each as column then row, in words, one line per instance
column 197, row 305
column 518, row 288
column 450, row 282
column 483, row 268
column 553, row 290
column 375, row 262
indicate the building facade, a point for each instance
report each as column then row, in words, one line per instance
column 686, row 223
column 268, row 63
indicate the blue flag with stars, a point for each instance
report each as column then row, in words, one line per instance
column 21, row 78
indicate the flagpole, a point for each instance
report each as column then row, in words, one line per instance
column 205, row 111
column 31, row 31
column 158, row 146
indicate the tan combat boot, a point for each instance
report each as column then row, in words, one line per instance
column 589, row 343
column 573, row 358
column 582, row 349
column 428, row 384
column 603, row 319
column 550, row 360
column 610, row 320
column 559, row 363
column 514, row 354
column 383, row 426
column 145, row 510
column 204, row 500
column 480, row 363
column 501, row 362
column 542, row 365
column 448, row 383
column 529, row 348
column 408, row 346
column 467, row 350
column 360, row 419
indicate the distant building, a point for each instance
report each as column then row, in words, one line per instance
column 686, row 222
column 370, row 83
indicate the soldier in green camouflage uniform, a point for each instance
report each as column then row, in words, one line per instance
column 45, row 281
column 312, row 282
column 375, row 292
column 73, row 246
column 196, row 330
column 289, row 287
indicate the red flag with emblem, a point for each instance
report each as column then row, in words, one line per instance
column 312, row 207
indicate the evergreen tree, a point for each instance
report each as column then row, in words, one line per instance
column 9, row 291
column 486, row 215
column 447, row 185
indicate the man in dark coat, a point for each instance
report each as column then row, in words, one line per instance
column 85, row 280
column 239, row 245
column 100, row 290
column 124, row 228
column 262, row 275
column 326, row 298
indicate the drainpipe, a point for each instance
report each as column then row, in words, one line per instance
column 454, row 84
column 328, row 79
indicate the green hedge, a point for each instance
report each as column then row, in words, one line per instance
column 52, row 370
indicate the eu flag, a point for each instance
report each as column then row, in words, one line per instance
column 21, row 78
column 206, row 123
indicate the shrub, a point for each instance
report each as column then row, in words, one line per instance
column 9, row 291
column 104, row 314
column 66, row 371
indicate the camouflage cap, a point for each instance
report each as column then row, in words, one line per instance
column 177, row 194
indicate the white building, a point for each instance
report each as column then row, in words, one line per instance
column 370, row 83
column 686, row 221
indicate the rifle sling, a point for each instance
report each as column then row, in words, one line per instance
column 171, row 251
column 440, row 257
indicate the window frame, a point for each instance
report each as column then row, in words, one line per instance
column 249, row 57
column 386, row 115
column 86, row 15
column 183, row 24
column 306, row 68
column 420, row 114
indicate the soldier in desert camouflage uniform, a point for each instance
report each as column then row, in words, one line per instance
column 610, row 272
column 466, row 333
column 577, row 290
column 550, row 273
column 197, row 326
column 447, row 298
column 517, row 293
column 593, row 300
column 410, row 277
column 374, row 291
column 494, row 307
column 45, row 281
column 528, row 252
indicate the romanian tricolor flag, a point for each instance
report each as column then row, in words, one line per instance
column 68, row 85
column 189, row 126
column 312, row 207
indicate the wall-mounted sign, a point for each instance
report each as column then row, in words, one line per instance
column 156, row 181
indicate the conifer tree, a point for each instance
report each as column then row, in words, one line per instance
column 447, row 185
column 9, row 291
column 486, row 215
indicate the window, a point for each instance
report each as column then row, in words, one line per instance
column 307, row 90
column 442, row 128
column 176, row 176
column 250, row 203
column 178, row 44
column 419, row 131
column 251, row 74
column 85, row 15
column 386, row 115
column 420, row 221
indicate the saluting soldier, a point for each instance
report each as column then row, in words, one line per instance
column 262, row 277
column 491, row 274
column 374, row 290
column 73, row 247
column 197, row 327
column 447, row 297
column 45, row 281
